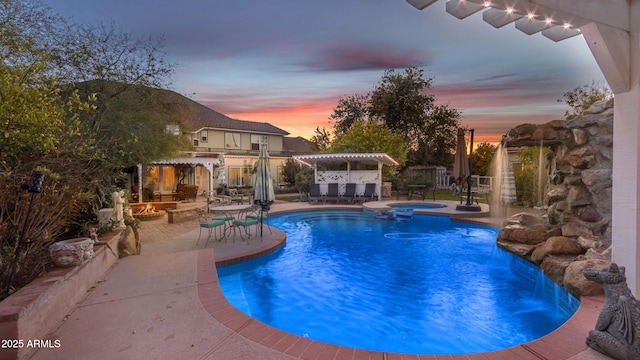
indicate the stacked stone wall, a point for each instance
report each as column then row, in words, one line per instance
column 576, row 219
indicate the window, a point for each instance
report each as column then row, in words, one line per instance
column 280, row 173
column 168, row 178
column 232, row 140
column 204, row 134
column 257, row 140
column 239, row 176
column 195, row 141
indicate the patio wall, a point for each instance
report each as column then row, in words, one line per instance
column 33, row 311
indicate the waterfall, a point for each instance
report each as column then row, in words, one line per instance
column 541, row 184
column 503, row 192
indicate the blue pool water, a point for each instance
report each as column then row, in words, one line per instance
column 424, row 286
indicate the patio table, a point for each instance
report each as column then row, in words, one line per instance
column 227, row 211
column 420, row 190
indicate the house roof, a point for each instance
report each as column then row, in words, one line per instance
column 297, row 145
column 314, row 159
column 203, row 117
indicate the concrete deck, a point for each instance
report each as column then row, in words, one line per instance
column 166, row 304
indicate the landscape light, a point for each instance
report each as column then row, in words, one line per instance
column 34, row 186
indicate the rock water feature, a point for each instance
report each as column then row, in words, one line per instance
column 572, row 230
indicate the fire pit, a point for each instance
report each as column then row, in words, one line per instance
column 148, row 213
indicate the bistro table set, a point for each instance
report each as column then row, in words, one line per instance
column 228, row 219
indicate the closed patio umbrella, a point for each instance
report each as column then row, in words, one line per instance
column 263, row 192
column 461, row 161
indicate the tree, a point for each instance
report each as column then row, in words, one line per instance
column 71, row 136
column 321, row 139
column 482, row 157
column 133, row 127
column 582, row 97
column 125, row 72
column 373, row 138
column 435, row 142
column 289, row 171
column 352, row 109
column 39, row 132
column 402, row 102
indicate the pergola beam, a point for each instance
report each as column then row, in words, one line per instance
column 605, row 25
column 611, row 48
column 462, row 8
column 499, row 18
column 566, row 13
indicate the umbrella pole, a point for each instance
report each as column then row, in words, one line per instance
column 469, row 205
column 264, row 191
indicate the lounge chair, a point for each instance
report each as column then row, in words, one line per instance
column 369, row 193
column 333, row 194
column 349, row 193
column 314, row 193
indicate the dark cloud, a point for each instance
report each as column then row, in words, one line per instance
column 351, row 57
column 497, row 77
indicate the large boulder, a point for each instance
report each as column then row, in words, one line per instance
column 598, row 243
column 129, row 242
column 556, row 245
column 521, row 250
column 530, row 235
column 575, row 282
column 525, row 219
column 554, row 266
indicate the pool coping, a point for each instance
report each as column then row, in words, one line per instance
column 563, row 343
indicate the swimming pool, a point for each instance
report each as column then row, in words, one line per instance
column 425, row 286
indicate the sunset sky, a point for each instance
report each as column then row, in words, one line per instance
column 288, row 62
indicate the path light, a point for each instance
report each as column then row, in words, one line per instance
column 34, row 186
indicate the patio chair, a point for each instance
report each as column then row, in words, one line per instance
column 265, row 218
column 245, row 219
column 236, row 196
column 333, row 194
column 210, row 225
column 349, row 193
column 186, row 192
column 369, row 193
column 314, row 193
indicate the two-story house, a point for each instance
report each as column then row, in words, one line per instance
column 225, row 151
